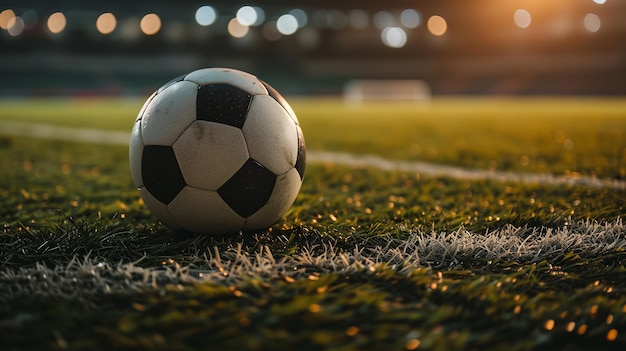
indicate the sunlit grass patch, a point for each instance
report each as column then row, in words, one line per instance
column 547, row 135
column 529, row 135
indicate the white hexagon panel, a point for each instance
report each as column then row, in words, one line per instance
column 204, row 211
column 271, row 135
column 210, row 153
column 158, row 208
column 169, row 114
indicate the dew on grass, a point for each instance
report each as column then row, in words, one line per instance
column 570, row 326
column 593, row 311
column 413, row 344
column 315, row 308
column 245, row 322
column 352, row 331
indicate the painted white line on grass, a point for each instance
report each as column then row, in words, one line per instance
column 235, row 264
column 45, row 131
column 91, row 135
column 435, row 170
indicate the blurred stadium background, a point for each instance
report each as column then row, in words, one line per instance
column 505, row 47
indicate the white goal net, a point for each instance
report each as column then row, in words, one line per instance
column 360, row 90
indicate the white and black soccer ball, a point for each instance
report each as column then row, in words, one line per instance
column 217, row 151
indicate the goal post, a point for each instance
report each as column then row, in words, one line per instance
column 360, row 90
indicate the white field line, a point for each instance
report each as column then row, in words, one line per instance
column 46, row 131
column 91, row 135
column 234, row 265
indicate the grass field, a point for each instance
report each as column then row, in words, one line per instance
column 366, row 259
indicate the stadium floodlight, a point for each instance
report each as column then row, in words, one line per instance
column 394, row 37
column 236, row 29
column 287, row 24
column 410, row 18
column 260, row 16
column 300, row 16
column 206, row 15
column 247, row 15
column 250, row 16
column 150, row 24
column 57, row 22
column 15, row 26
column 5, row 16
column 383, row 19
column 437, row 25
column 106, row 23
column 592, row 22
column 522, row 18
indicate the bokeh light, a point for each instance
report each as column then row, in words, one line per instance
column 394, row 37
column 5, row 16
column 206, row 15
column 57, row 22
column 437, row 25
column 31, row 18
column 300, row 16
column 337, row 19
column 236, row 29
column 129, row 29
column 308, row 37
column 599, row 2
column 15, row 26
column 247, row 15
column 410, row 18
column 287, row 24
column 106, row 23
column 358, row 19
column 522, row 18
column 592, row 22
column 383, row 19
column 175, row 31
column 260, row 16
column 270, row 32
column 150, row 24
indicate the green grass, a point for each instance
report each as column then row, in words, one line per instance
column 524, row 135
column 365, row 259
column 546, row 135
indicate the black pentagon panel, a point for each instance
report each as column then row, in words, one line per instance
column 249, row 189
column 301, row 159
column 161, row 174
column 222, row 103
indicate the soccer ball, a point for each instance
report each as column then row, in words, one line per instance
column 217, row 151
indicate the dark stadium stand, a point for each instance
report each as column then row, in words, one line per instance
column 570, row 47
